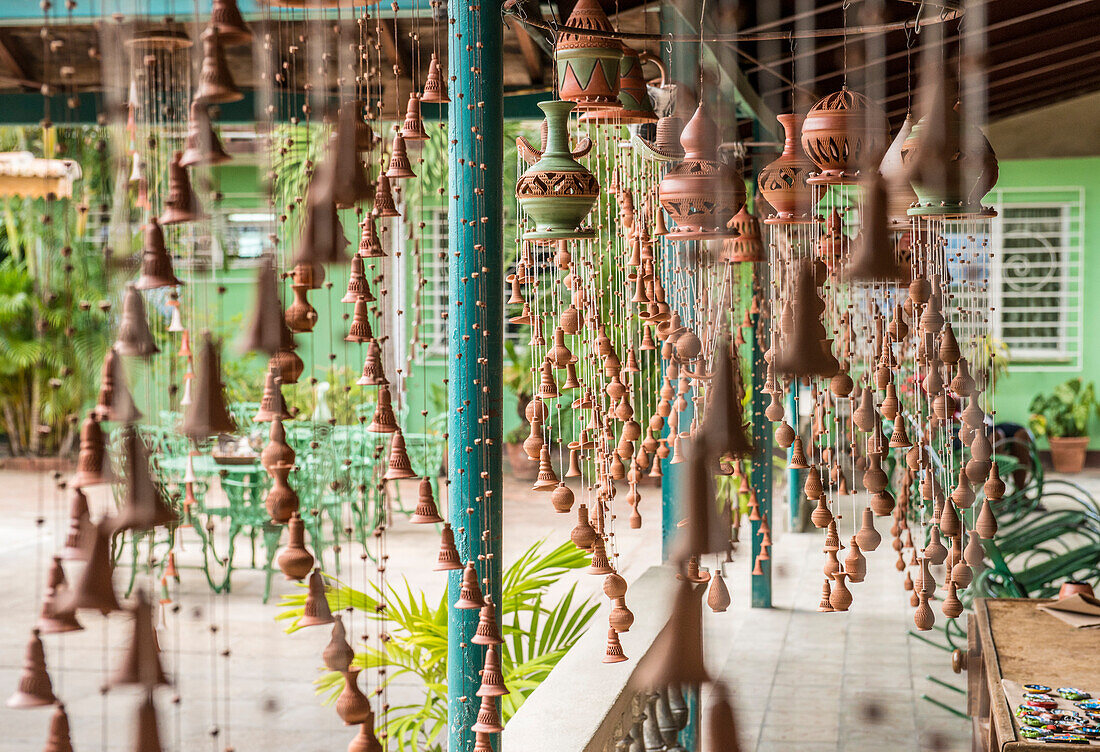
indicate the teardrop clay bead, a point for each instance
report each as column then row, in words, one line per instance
column 974, row 554
column 718, row 596
column 855, row 563
column 867, row 537
column 935, row 550
column 338, row 654
column 923, row 617
column 986, row 524
column 821, row 516
column 951, row 607
column 841, row 598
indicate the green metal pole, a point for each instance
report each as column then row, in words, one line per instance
column 475, row 332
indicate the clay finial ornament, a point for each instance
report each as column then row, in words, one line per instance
column 470, row 596
column 338, row 654
column 718, row 595
column 295, row 561
column 317, row 610
column 34, row 689
column 448, row 554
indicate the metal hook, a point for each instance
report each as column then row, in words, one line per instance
column 792, row 41
column 910, row 37
column 916, row 20
column 668, row 44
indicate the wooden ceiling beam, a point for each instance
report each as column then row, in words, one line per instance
column 15, row 71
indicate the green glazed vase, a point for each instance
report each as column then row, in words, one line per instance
column 969, row 175
column 557, row 192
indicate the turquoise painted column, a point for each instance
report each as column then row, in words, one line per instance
column 475, row 333
column 761, row 459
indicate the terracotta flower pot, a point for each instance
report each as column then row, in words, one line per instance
column 1074, row 587
column 1067, row 453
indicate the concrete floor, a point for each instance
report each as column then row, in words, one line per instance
column 802, row 680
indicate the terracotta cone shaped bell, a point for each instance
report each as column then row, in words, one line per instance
column 316, row 609
column 350, row 185
column 295, row 561
column 146, row 732
column 488, row 719
column 322, row 240
column 370, row 244
column 51, row 620
column 203, row 147
column 676, row 656
column 216, row 84
column 34, row 689
column 59, row 738
column 338, row 654
column 360, row 329
column 426, row 512
column 93, row 589
column 384, row 421
column 92, row 467
column 399, row 168
column 272, row 404
column 226, row 17
column 448, row 554
column 140, row 664
column 413, row 127
column 599, row 563
column 144, row 506
column 374, row 373
column 399, row 466
column 182, row 203
column 80, row 528
column 156, row 263
column 134, row 336
column 487, row 632
column 357, row 283
column 872, row 257
column 435, row 86
column 469, row 594
column 492, row 680
column 384, row 205
column 208, row 414
column 703, row 532
column 267, row 331
column 614, row 651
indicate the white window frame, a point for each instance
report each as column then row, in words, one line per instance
column 1070, row 344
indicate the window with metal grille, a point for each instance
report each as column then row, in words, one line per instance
column 1036, row 277
column 433, row 295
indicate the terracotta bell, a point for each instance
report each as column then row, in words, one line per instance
column 700, row 194
column 215, row 81
column 182, row 203
column 92, row 467
column 296, row 561
column 146, row 733
column 267, row 330
column 226, row 17
column 748, row 246
column 93, row 589
column 51, row 620
column 316, row 609
column 352, row 705
column 595, row 61
column 208, row 414
column 272, row 404
column 322, row 240
column 676, row 656
column 144, row 506
column 34, row 689
column 134, row 336
column 448, row 554
column 426, row 511
column 384, row 205
column 80, row 528
column 59, row 738
column 900, row 195
column 383, row 421
column 203, row 147
column 156, row 263
column 140, row 664
column 470, row 591
column 413, row 127
column 399, row 466
column 435, row 86
column 487, row 631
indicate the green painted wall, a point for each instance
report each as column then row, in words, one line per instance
column 1014, row 393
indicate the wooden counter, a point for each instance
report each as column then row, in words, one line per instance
column 1009, row 638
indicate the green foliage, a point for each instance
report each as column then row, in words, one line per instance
column 1065, row 412
column 536, row 636
column 52, row 332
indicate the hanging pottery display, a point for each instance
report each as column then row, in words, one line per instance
column 636, row 106
column 967, row 176
column 700, row 194
column 557, row 192
column 842, row 132
column 588, row 66
column 784, row 182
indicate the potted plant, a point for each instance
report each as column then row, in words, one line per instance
column 1063, row 417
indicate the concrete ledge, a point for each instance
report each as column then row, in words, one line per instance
column 579, row 705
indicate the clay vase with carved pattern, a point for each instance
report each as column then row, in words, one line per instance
column 842, row 131
column 557, row 191
column 783, row 181
column 588, row 66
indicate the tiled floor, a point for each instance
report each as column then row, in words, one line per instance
column 802, row 680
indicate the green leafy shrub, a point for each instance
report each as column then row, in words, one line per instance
column 536, row 636
column 1064, row 413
